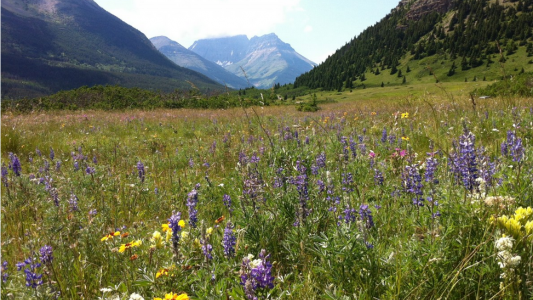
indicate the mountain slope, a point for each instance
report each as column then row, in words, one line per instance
column 460, row 34
column 190, row 60
column 50, row 45
column 266, row 60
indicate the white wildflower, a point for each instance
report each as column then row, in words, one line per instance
column 504, row 243
column 136, row 296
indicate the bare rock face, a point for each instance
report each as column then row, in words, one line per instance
column 423, row 7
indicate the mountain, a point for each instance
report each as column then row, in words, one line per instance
column 449, row 40
column 51, row 45
column 266, row 60
column 190, row 60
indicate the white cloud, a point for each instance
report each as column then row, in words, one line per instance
column 308, row 28
column 187, row 21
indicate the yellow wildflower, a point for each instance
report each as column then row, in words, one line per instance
column 123, row 247
column 110, row 236
column 181, row 223
column 404, row 138
column 405, row 115
column 209, row 230
column 522, row 214
column 165, row 227
column 157, row 240
column 162, row 272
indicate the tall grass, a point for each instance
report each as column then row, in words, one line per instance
column 337, row 206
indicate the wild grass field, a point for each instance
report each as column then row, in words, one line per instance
column 427, row 196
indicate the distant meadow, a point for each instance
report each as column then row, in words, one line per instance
column 421, row 197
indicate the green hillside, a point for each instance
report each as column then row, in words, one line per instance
column 470, row 40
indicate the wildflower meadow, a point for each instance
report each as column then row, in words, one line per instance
column 415, row 198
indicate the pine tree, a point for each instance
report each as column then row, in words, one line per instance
column 399, row 73
column 404, row 80
column 382, row 84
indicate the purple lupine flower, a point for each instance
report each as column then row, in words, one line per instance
column 4, row 175
column 254, row 159
column 431, row 166
column 14, row 164
column 353, row 147
column 384, row 135
column 95, row 161
column 347, row 182
column 55, row 196
column 33, row 279
column 513, row 147
column 366, row 215
column 229, row 240
column 38, row 152
column 5, row 275
column 306, row 140
column 73, row 202
column 76, row 165
column 464, row 161
column 142, row 172
column 412, row 183
column 192, row 201
column 93, row 212
column 213, row 147
column 321, row 185
column 46, row 166
column 46, row 254
column 191, row 163
column 301, row 182
column 227, row 202
column 206, row 164
column 176, row 228
column 207, row 249
column 256, row 274
column 52, row 154
column 90, row 170
column 349, row 215
column 378, row 177
column 321, row 160
column 58, row 165
column 242, row 158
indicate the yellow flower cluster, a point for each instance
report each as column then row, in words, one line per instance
column 157, row 240
column 126, row 246
column 405, row 115
column 518, row 225
column 172, row 296
column 110, row 236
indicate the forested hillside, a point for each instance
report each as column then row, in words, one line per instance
column 470, row 31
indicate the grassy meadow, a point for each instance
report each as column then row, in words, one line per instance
column 383, row 194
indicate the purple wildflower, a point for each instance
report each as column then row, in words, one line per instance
column 254, row 159
column 5, row 275
column 52, row 154
column 431, row 166
column 513, row 147
column 33, row 279
column 58, row 165
column 191, row 163
column 90, row 170
column 227, row 202
column 366, row 215
column 4, row 175
column 173, row 224
column 140, row 168
column 46, row 254
column 95, row 161
column 412, row 183
column 256, row 274
column 464, row 161
column 93, row 212
column 229, row 240
column 378, row 177
column 192, row 201
column 73, row 202
column 349, row 215
column 207, row 249
column 14, row 164
column 384, row 135
column 76, row 165
column 38, row 152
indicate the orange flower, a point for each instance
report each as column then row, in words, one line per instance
column 134, row 257
column 219, row 220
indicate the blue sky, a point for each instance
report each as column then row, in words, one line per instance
column 314, row 28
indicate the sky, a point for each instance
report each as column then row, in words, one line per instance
column 314, row 28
